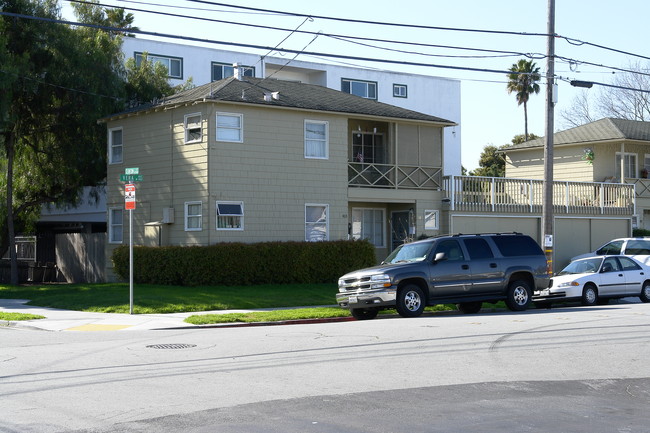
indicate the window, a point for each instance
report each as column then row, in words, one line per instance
column 230, row 215
column 193, row 216
column 225, row 70
column 452, row 250
column 115, row 146
column 316, row 222
column 316, row 139
column 229, row 127
column 192, row 128
column 431, row 218
column 174, row 65
column 399, row 90
column 365, row 89
column 478, row 249
column 368, row 224
column 628, row 264
column 629, row 164
column 369, row 148
column 613, row 247
column 115, row 225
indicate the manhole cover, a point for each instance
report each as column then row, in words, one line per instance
column 171, row 346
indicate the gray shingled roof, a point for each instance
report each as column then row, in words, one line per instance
column 290, row 94
column 606, row 129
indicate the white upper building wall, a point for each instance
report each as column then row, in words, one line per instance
column 426, row 94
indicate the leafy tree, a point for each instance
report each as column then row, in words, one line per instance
column 490, row 163
column 522, row 80
column 148, row 80
column 56, row 83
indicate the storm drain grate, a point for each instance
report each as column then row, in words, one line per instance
column 171, row 346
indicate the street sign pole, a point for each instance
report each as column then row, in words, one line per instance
column 130, row 261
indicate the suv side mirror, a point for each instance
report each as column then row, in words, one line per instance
column 440, row 257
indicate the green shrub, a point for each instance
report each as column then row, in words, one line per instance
column 244, row 264
column 640, row 232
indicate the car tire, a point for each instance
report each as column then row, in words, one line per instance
column 364, row 313
column 469, row 307
column 519, row 295
column 589, row 295
column 410, row 301
column 645, row 292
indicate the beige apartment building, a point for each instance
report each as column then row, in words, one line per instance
column 254, row 160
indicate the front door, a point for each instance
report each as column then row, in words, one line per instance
column 399, row 228
column 451, row 276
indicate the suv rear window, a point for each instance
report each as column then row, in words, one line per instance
column 512, row 246
column 636, row 246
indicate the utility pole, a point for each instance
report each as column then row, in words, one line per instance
column 547, row 206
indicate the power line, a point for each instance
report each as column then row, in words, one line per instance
column 346, row 38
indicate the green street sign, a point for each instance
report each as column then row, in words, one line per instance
column 134, row 170
column 130, row 177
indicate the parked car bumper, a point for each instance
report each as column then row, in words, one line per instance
column 548, row 295
column 367, row 299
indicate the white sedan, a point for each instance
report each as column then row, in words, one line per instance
column 597, row 279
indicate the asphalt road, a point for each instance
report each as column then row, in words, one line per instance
column 560, row 370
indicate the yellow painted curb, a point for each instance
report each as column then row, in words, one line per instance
column 96, row 327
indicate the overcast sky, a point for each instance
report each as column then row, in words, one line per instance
column 489, row 114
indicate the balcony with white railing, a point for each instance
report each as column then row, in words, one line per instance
column 496, row 194
column 395, row 176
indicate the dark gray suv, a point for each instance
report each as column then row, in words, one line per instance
column 453, row 269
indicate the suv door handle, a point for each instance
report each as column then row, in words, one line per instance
column 493, row 265
column 465, row 267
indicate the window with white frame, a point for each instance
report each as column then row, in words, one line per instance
column 230, row 215
column 369, row 224
column 174, row 65
column 115, row 146
column 225, row 70
column 230, row 127
column 629, row 165
column 431, row 218
column 646, row 164
column 193, row 216
column 316, row 139
column 399, row 91
column 365, row 89
column 193, row 130
column 316, row 222
column 115, row 226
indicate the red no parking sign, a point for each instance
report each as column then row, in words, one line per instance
column 129, row 196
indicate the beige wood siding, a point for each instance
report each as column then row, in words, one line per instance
column 568, row 164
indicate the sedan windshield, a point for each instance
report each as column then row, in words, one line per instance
column 409, row 253
column 587, row 266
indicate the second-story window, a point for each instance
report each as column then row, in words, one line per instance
column 316, row 139
column 365, row 89
column 192, row 128
column 115, row 146
column 225, row 70
column 368, row 148
column 399, row 90
column 629, row 165
column 174, row 65
column 230, row 127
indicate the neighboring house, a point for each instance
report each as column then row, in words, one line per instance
column 431, row 95
column 247, row 159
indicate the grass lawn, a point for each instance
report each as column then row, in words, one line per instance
column 12, row 317
column 150, row 299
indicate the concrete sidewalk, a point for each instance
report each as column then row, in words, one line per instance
column 68, row 320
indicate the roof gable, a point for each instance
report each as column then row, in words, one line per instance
column 606, row 129
column 288, row 94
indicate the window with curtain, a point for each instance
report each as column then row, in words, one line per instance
column 193, row 216
column 192, row 128
column 629, row 163
column 368, row 224
column 229, row 127
column 316, row 145
column 316, row 222
column 115, row 226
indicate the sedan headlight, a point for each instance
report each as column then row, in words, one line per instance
column 569, row 284
column 379, row 281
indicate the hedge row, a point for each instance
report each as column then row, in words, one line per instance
column 244, row 264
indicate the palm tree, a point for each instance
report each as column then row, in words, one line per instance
column 522, row 80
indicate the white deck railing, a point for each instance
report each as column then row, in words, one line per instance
column 394, row 176
column 491, row 194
